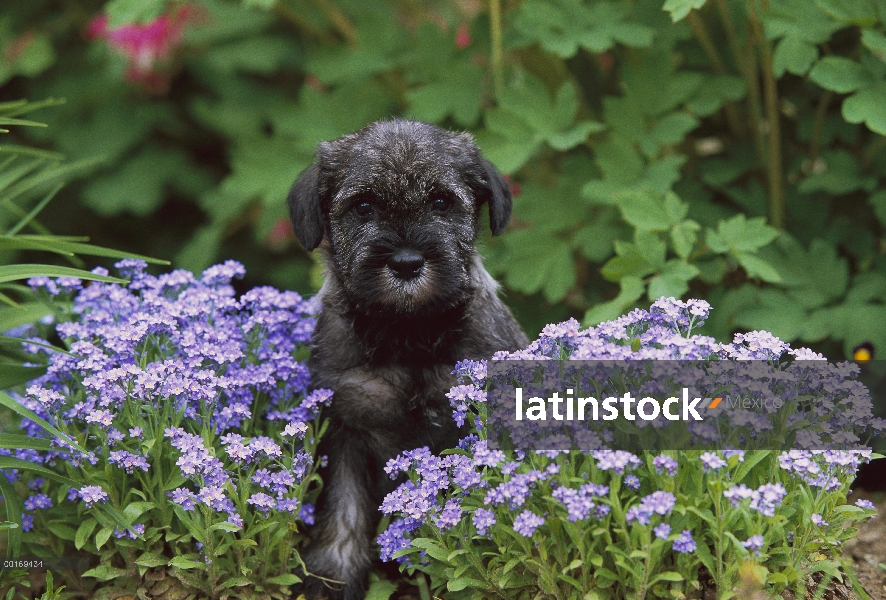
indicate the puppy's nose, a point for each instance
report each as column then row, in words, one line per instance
column 406, row 264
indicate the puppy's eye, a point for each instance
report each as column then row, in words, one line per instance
column 363, row 208
column 441, row 203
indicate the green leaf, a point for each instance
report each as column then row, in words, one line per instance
column 867, row 106
column 683, row 237
column 840, row 75
column 850, row 12
column 774, row 311
column 666, row 576
column 740, row 234
column 454, row 92
column 793, row 55
column 628, row 262
column 134, row 510
column 102, row 537
column 139, row 185
column 236, row 582
column 644, row 211
column 124, row 12
column 714, row 92
column 673, row 280
column 874, row 41
column 105, row 572
column 152, row 559
column 284, row 579
column 842, row 174
column 564, row 26
column 84, row 532
column 758, row 268
column 183, row 563
column 680, row 8
column 631, row 290
column 381, row 589
column 526, row 117
column 456, row 585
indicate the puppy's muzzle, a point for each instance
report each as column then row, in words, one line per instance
column 406, row 264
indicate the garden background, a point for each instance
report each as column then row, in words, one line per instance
column 724, row 150
column 728, row 150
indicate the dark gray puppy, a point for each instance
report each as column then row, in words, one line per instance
column 405, row 298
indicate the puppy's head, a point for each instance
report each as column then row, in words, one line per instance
column 398, row 202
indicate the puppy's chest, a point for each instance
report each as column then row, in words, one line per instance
column 393, row 396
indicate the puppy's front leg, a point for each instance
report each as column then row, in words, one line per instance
column 342, row 538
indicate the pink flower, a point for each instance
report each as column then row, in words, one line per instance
column 462, row 36
column 143, row 45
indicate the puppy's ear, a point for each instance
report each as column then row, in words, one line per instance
column 499, row 198
column 306, row 208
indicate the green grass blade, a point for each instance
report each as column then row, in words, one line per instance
column 15, row 440
column 27, row 312
column 17, row 272
column 13, row 374
column 50, row 244
column 8, row 402
column 14, row 509
column 14, row 340
column 15, row 149
column 35, row 211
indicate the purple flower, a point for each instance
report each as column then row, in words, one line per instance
column 296, row 429
column 128, row 461
column 527, row 522
column 684, row 543
column 632, row 482
column 38, row 501
column 662, row 531
column 754, row 543
column 450, row 515
column 394, row 539
column 615, row 460
column 818, row 520
column 186, row 498
column 306, row 514
column 663, row 463
column 483, row 519
column 90, row 494
column 865, row 504
column 711, row 461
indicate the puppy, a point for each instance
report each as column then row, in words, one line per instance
column 406, row 297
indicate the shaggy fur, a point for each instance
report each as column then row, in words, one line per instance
column 405, row 298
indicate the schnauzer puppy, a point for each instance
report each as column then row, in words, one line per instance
column 405, row 298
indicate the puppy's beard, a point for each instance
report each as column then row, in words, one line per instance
column 435, row 289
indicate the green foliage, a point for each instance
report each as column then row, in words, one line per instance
column 726, row 149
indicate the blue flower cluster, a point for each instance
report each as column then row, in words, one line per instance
column 479, row 493
column 177, row 368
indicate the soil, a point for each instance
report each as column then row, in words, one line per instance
column 868, row 550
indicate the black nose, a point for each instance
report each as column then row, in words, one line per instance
column 406, row 264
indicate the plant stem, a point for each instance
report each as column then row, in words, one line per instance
column 710, row 49
column 818, row 125
column 496, row 53
column 770, row 92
